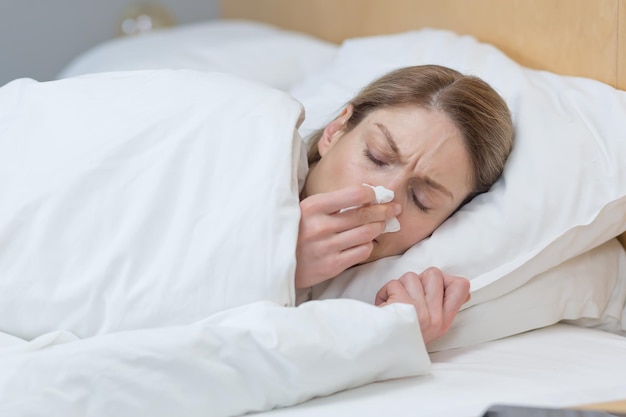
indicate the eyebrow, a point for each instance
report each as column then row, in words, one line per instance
column 387, row 134
column 394, row 147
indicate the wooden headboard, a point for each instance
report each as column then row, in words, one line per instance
column 573, row 37
column 584, row 38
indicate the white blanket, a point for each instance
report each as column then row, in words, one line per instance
column 148, row 224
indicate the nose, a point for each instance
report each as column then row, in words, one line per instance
column 398, row 185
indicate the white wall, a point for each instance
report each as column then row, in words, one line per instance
column 38, row 37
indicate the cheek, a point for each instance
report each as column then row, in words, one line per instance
column 413, row 229
column 346, row 171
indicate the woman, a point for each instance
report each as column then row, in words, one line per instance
column 124, row 268
column 432, row 135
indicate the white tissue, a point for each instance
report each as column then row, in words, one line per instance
column 383, row 195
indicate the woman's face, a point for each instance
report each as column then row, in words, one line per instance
column 417, row 153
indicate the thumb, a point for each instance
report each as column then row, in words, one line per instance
column 391, row 292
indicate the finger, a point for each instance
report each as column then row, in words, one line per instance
column 352, row 256
column 449, row 279
column 392, row 292
column 327, row 264
column 334, row 201
column 357, row 236
column 382, row 295
column 417, row 296
column 367, row 214
column 414, row 286
column 433, row 283
column 456, row 294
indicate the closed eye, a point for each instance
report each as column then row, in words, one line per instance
column 373, row 159
column 417, row 202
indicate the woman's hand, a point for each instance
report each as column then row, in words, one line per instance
column 330, row 242
column 437, row 298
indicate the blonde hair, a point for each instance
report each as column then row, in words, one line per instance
column 476, row 109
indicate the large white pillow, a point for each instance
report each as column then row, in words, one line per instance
column 588, row 290
column 563, row 191
column 144, row 199
column 252, row 50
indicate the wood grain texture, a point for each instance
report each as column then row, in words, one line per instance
column 610, row 407
column 570, row 37
column 621, row 82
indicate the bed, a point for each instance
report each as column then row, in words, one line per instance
column 546, row 324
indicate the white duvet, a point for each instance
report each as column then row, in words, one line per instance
column 148, row 223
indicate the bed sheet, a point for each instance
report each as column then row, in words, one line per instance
column 557, row 366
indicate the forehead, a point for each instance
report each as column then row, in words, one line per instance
column 412, row 123
column 428, row 139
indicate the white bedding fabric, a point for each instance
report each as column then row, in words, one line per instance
column 251, row 50
column 558, row 366
column 128, row 200
column 148, row 224
column 148, row 227
column 589, row 290
column 252, row 358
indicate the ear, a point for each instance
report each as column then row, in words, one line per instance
column 334, row 130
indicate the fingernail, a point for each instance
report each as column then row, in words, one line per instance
column 398, row 209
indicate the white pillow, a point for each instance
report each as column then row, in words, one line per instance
column 588, row 290
column 132, row 200
column 251, row 50
column 563, row 191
